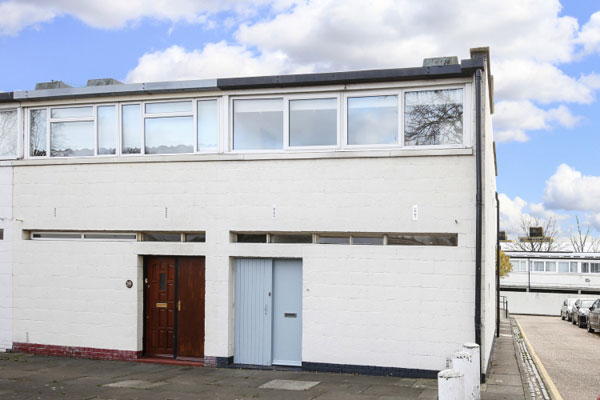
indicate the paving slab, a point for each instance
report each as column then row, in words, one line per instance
column 284, row 384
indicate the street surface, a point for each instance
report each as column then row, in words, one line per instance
column 570, row 355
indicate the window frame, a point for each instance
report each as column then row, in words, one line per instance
column 192, row 114
column 311, row 96
column 286, row 98
column 50, row 120
column 19, row 145
column 373, row 93
column 467, row 115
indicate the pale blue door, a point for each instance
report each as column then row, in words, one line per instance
column 253, row 317
column 287, row 312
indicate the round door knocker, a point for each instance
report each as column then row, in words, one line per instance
column 129, row 283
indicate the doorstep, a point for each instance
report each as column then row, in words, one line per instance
column 172, row 361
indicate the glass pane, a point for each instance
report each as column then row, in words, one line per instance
column 162, row 237
column 107, row 126
column 516, row 265
column 595, row 268
column 551, row 266
column 433, row 117
column 56, row 235
column 251, row 238
column 373, row 120
column 573, row 267
column 538, row 265
column 72, row 139
column 313, row 122
column 169, row 135
column 523, row 265
column 163, row 281
column 585, row 267
column 8, row 133
column 334, row 239
column 291, row 238
column 208, row 126
column 423, row 239
column 37, row 136
column 110, row 236
column 72, row 112
column 258, row 124
column 169, row 107
column 373, row 241
column 132, row 129
column 563, row 267
column 195, row 237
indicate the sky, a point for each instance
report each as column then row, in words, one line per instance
column 545, row 58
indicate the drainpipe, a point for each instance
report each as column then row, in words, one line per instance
column 479, row 208
column 497, row 266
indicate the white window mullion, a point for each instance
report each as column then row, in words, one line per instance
column 48, row 142
column 401, row 118
column 143, row 130
column 96, row 136
column 286, row 123
column 195, row 122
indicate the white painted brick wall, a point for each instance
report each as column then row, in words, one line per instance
column 8, row 225
column 395, row 306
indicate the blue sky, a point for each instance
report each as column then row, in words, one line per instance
column 545, row 59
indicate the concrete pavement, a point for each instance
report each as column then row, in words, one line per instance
column 24, row 376
column 570, row 355
column 35, row 377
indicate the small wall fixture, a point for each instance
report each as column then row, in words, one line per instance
column 129, row 283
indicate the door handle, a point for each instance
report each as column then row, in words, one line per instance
column 265, row 309
column 178, row 305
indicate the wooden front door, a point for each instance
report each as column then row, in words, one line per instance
column 160, row 306
column 174, row 307
column 190, row 318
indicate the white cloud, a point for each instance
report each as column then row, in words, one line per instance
column 402, row 32
column 513, row 118
column 511, row 212
column 526, row 79
column 590, row 34
column 112, row 14
column 214, row 60
column 13, row 16
column 569, row 189
column 595, row 221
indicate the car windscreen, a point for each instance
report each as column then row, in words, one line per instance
column 587, row 303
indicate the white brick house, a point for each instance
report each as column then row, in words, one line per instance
column 206, row 196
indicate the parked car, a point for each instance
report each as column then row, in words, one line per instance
column 581, row 308
column 593, row 318
column 566, row 311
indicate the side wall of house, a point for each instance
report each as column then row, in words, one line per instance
column 7, row 225
column 488, row 296
column 395, row 306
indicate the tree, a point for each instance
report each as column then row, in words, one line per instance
column 545, row 244
column 505, row 265
column 581, row 241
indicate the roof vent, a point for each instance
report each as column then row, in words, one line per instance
column 103, row 82
column 51, row 85
column 439, row 61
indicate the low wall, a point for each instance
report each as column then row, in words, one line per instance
column 539, row 303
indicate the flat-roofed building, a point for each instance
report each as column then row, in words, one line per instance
column 332, row 221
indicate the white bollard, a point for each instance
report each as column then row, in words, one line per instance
column 473, row 349
column 463, row 362
column 451, row 385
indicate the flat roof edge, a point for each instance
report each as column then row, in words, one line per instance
column 466, row 68
column 118, row 90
